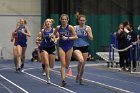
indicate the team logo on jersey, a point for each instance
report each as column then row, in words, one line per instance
column 81, row 32
column 48, row 35
column 64, row 33
column 21, row 29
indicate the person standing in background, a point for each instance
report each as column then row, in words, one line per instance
column 121, row 36
column 131, row 38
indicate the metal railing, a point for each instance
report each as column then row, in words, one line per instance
column 130, row 49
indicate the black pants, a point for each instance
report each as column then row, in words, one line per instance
column 123, row 59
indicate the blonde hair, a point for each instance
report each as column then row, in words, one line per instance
column 25, row 22
column 64, row 15
column 52, row 20
column 77, row 15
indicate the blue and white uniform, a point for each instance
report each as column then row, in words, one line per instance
column 82, row 42
column 65, row 44
column 47, row 44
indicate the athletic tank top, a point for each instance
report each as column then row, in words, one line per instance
column 46, row 41
column 22, row 37
column 65, row 32
column 82, row 37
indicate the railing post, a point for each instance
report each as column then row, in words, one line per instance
column 131, row 59
column 110, row 50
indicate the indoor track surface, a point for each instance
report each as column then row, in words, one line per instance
column 97, row 79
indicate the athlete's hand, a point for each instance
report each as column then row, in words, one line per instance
column 64, row 37
column 52, row 38
column 55, row 41
column 87, row 32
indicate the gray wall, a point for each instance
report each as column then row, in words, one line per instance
column 10, row 12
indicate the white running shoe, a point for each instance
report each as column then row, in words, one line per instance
column 22, row 70
column 126, row 69
column 44, row 74
column 48, row 81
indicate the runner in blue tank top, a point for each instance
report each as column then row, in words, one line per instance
column 65, row 34
column 47, row 46
column 81, row 45
column 65, row 44
column 22, row 34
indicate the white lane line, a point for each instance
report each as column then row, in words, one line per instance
column 87, row 65
column 28, row 69
column 102, row 75
column 4, row 68
column 10, row 91
column 56, row 67
column 102, row 85
column 113, row 78
column 109, row 87
column 14, row 84
column 68, row 90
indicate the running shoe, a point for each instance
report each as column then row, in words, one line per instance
column 22, row 65
column 48, row 81
column 43, row 66
column 64, row 83
column 126, row 69
column 77, row 78
column 22, row 70
column 44, row 74
column 16, row 69
column 19, row 70
column 80, row 81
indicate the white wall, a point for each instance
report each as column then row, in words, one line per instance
column 20, row 7
column 10, row 12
